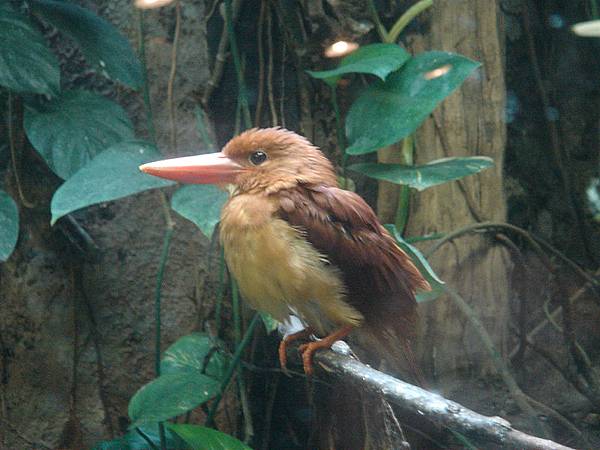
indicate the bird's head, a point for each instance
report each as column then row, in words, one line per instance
column 258, row 160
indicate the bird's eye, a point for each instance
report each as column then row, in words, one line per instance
column 258, row 157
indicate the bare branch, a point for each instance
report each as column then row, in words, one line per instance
column 413, row 400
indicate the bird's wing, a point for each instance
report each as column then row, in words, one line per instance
column 344, row 228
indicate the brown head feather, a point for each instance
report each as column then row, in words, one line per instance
column 292, row 159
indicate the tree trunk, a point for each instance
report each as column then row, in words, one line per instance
column 53, row 299
column 469, row 122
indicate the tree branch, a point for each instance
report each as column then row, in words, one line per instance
column 415, row 401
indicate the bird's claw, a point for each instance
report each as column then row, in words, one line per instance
column 307, row 351
column 283, row 357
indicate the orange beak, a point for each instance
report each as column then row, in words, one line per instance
column 212, row 168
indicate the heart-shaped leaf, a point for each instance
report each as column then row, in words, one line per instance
column 104, row 48
column 196, row 353
column 111, row 175
column 437, row 285
column 26, row 62
column 391, row 110
column 171, row 395
column 201, row 204
column 425, row 175
column 134, row 441
column 203, row 438
column 376, row 59
column 9, row 225
column 73, row 128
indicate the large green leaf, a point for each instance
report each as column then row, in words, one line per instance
column 26, row 62
column 171, row 395
column 134, row 441
column 200, row 204
column 9, row 225
column 104, row 47
column 377, row 59
column 425, row 175
column 437, row 285
column 203, row 438
column 111, row 175
column 73, row 128
column 195, row 353
column 391, row 110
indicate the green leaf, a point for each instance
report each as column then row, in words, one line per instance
column 203, row 438
column 73, row 128
column 9, row 225
column 104, row 48
column 171, row 395
column 195, row 353
column 437, row 285
column 133, row 440
column 390, row 110
column 26, row 62
column 111, row 175
column 270, row 323
column 201, row 204
column 376, row 59
column 426, row 175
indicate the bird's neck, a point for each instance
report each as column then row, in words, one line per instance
column 247, row 210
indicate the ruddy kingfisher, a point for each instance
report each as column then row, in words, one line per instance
column 298, row 244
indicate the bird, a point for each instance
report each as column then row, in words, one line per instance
column 296, row 243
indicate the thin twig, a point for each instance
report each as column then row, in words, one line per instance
column 272, row 108
column 95, row 335
column 514, row 389
column 568, row 374
column 237, row 63
column 282, row 90
column 261, row 63
column 172, row 74
column 471, row 205
column 13, row 152
column 146, row 87
column 269, row 411
column 231, row 369
column 535, row 242
column 220, row 59
column 237, row 335
column 554, row 315
column 169, row 229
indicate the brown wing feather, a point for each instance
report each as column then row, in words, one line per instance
column 342, row 226
column 380, row 278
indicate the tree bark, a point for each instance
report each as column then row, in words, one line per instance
column 469, row 122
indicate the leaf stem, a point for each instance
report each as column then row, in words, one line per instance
column 13, row 152
column 404, row 195
column 231, row 369
column 158, row 294
column 146, row 438
column 157, row 314
column 406, row 18
column 220, row 290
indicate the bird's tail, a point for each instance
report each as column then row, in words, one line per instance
column 391, row 334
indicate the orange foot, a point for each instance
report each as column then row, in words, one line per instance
column 308, row 350
column 291, row 338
